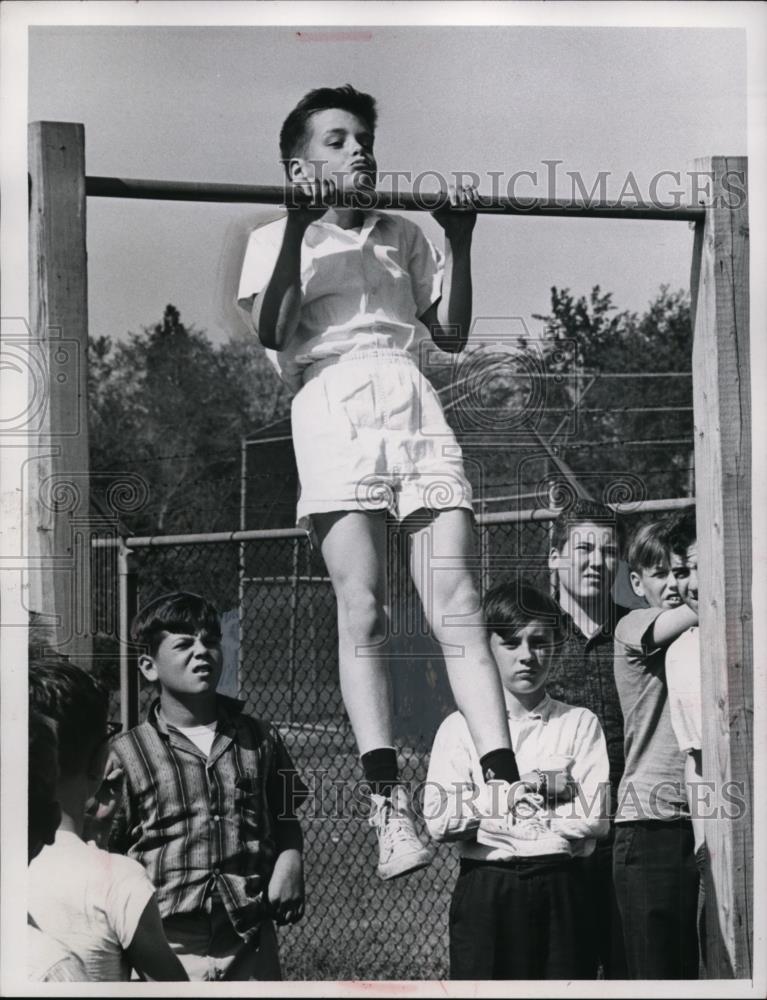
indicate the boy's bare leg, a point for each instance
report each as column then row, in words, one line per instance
column 442, row 547
column 353, row 545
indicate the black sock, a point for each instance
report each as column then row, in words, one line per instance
column 380, row 767
column 500, row 765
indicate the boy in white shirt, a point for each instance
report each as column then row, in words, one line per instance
column 48, row 961
column 345, row 300
column 100, row 906
column 520, row 908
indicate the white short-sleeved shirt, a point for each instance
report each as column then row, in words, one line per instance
column 684, row 694
column 89, row 900
column 48, row 961
column 360, row 290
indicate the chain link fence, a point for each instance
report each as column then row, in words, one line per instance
column 279, row 617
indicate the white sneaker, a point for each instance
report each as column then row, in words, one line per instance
column 510, row 822
column 504, row 831
column 399, row 847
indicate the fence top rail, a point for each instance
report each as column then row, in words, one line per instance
column 266, row 534
column 265, row 194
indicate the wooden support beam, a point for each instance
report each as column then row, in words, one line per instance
column 721, row 394
column 57, row 482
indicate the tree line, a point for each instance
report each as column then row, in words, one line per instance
column 612, row 389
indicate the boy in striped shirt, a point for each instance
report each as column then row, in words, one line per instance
column 208, row 803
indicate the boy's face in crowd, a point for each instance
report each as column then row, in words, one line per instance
column 588, row 561
column 524, row 658
column 658, row 584
column 687, row 578
column 185, row 665
column 339, row 147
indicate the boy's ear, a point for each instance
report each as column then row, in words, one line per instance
column 554, row 559
column 297, row 170
column 147, row 667
column 636, row 583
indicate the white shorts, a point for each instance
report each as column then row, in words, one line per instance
column 369, row 434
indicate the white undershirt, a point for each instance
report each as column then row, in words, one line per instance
column 201, row 736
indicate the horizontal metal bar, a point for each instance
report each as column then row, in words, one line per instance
column 203, row 538
column 266, row 534
column 640, row 507
column 628, row 443
column 516, row 516
column 265, row 194
column 653, row 506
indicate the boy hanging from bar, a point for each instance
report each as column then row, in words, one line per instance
column 344, row 299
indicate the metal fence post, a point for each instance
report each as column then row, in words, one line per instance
column 128, row 598
column 484, row 551
column 293, row 626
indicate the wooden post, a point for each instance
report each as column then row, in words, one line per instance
column 721, row 393
column 57, row 483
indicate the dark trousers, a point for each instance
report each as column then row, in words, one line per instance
column 608, row 949
column 520, row 920
column 656, row 882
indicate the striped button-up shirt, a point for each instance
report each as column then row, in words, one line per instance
column 199, row 824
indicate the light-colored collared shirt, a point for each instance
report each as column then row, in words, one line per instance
column 685, row 701
column 360, row 290
column 456, row 796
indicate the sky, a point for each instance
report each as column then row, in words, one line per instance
column 206, row 104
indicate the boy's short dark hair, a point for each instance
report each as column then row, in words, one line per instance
column 180, row 612
column 293, row 131
column 76, row 702
column 581, row 512
column 682, row 531
column 43, row 772
column 513, row 604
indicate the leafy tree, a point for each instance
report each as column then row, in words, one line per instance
column 607, row 392
column 624, row 393
column 171, row 406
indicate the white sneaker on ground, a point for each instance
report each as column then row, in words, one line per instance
column 400, row 849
